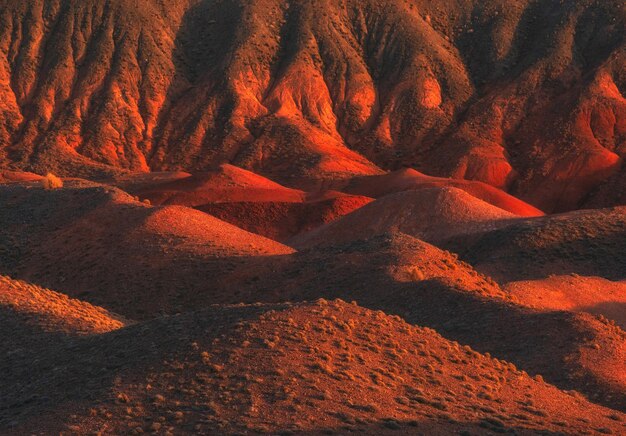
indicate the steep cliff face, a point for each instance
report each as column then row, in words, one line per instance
column 525, row 95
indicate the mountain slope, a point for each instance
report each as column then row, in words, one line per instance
column 527, row 96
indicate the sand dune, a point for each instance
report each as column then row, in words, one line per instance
column 277, row 368
column 99, row 244
column 410, row 179
column 587, row 242
column 434, row 215
column 226, row 184
column 574, row 293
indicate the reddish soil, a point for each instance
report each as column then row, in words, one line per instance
column 18, row 176
column 283, row 220
column 426, row 286
column 162, row 268
column 574, row 293
column 410, row 179
column 527, row 97
column 272, row 369
column 431, row 214
column 587, row 242
column 226, row 184
column 45, row 311
column 234, row 172
column 242, row 198
column 610, row 193
column 63, row 239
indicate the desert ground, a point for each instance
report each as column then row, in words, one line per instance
column 382, row 217
column 128, row 308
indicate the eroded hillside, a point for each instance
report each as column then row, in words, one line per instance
column 524, row 95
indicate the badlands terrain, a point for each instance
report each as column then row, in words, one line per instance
column 225, row 303
column 312, row 217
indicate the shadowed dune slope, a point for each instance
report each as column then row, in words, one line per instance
column 223, row 185
column 427, row 286
column 308, row 368
column 37, row 309
column 587, row 242
column 245, row 199
column 283, row 220
column 99, row 244
column 32, row 319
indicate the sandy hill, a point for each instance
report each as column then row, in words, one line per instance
column 526, row 96
column 588, row 243
column 223, row 185
column 408, row 179
column 433, row 215
column 35, row 321
column 427, row 286
column 243, row 198
column 307, row 368
column 28, row 311
column 99, row 244
column 135, row 182
column 575, row 293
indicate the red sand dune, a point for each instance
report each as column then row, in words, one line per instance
column 32, row 318
column 433, row 214
column 97, row 243
column 409, row 179
column 50, row 312
column 307, row 368
column 574, row 293
column 133, row 182
column 226, row 184
column 244, row 199
column 377, row 270
column 81, row 208
column 426, row 286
